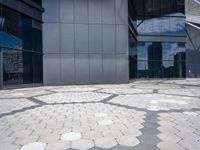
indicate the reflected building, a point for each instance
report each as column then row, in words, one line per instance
column 154, row 59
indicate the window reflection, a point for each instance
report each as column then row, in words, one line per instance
column 168, row 24
column 160, row 60
column 20, row 39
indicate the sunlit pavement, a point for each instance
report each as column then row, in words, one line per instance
column 142, row 115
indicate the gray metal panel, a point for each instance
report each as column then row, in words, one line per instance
column 82, row 68
column 51, row 72
column 67, row 69
column 81, row 38
column 122, row 39
column 109, row 68
column 96, row 68
column 94, row 11
column 52, row 9
column 122, row 68
column 51, row 40
column 81, row 11
column 109, row 39
column 67, row 38
column 108, row 11
column 95, row 39
column 122, row 12
column 67, row 11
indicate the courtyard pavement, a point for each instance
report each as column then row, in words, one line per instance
column 142, row 115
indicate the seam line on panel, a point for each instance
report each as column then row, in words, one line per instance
column 102, row 54
column 60, row 42
column 115, row 41
column 88, row 39
column 74, row 42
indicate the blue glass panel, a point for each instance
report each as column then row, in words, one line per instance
column 166, row 25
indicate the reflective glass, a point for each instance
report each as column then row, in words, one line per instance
column 159, row 60
column 21, row 37
column 167, row 25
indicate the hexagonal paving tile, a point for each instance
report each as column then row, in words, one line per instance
column 128, row 141
column 168, row 137
column 82, row 144
column 105, row 142
column 169, row 146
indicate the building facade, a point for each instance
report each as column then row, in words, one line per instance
column 63, row 42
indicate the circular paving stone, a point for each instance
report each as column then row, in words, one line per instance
column 105, row 122
column 190, row 113
column 100, row 114
column 34, row 146
column 71, row 136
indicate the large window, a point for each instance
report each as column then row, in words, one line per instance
column 160, row 60
column 21, row 43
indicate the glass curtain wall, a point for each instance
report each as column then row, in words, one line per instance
column 161, row 60
column 21, row 43
column 157, row 59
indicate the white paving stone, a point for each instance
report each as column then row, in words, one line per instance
column 71, row 136
column 34, row 146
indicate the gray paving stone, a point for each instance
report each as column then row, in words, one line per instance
column 120, row 147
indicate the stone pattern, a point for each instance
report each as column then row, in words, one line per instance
column 73, row 97
column 8, row 105
column 160, row 114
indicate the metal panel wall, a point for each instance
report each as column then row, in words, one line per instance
column 89, row 39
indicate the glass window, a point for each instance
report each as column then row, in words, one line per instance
column 10, row 33
column 20, row 37
column 159, row 60
column 166, row 25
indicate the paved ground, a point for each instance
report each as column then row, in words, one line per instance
column 143, row 115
